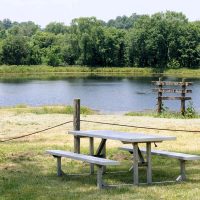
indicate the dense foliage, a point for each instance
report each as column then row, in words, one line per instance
column 161, row 40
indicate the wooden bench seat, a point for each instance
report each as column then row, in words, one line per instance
column 99, row 162
column 182, row 157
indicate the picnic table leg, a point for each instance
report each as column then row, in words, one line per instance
column 59, row 169
column 100, row 176
column 101, row 151
column 140, row 156
column 135, row 164
column 92, row 154
column 149, row 165
column 104, row 156
column 182, row 167
column 182, row 176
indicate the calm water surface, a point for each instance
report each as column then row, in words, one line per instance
column 100, row 93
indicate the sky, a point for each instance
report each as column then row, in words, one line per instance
column 43, row 12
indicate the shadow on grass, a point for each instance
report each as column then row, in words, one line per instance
column 36, row 179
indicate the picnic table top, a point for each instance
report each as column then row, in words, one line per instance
column 122, row 136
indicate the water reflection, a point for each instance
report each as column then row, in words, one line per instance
column 107, row 94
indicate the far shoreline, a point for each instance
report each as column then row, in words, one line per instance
column 74, row 71
column 86, row 111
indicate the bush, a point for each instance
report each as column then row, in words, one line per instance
column 190, row 111
column 173, row 64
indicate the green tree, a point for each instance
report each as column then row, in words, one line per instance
column 7, row 23
column 189, row 46
column 56, row 28
column 123, row 22
column 88, row 33
column 34, row 57
column 114, row 50
column 163, row 39
column 70, row 50
column 53, row 56
column 15, row 50
column 1, row 55
column 43, row 39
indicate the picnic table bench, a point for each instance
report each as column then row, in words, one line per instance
column 182, row 157
column 99, row 162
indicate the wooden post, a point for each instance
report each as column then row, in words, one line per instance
column 76, row 124
column 183, row 97
column 160, row 97
column 183, row 91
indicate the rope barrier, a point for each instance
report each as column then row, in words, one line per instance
column 97, row 122
column 22, row 136
column 142, row 127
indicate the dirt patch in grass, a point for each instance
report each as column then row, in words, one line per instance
column 21, row 156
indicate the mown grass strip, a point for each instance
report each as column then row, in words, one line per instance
column 167, row 114
column 22, row 108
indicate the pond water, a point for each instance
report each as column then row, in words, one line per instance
column 106, row 94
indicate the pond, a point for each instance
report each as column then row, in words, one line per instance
column 106, row 94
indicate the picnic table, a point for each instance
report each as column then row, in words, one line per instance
column 127, row 138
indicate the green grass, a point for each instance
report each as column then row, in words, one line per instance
column 42, row 70
column 29, row 174
column 22, row 108
column 166, row 114
column 26, row 172
column 4, row 69
column 184, row 72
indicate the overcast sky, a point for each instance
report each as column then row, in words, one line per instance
column 44, row 11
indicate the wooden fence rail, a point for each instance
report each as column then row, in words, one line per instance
column 183, row 91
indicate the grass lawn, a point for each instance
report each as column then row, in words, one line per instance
column 26, row 172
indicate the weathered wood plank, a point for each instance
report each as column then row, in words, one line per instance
column 82, row 157
column 122, row 136
column 175, row 98
column 180, row 156
column 166, row 90
column 171, row 83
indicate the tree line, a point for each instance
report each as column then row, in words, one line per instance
column 159, row 41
